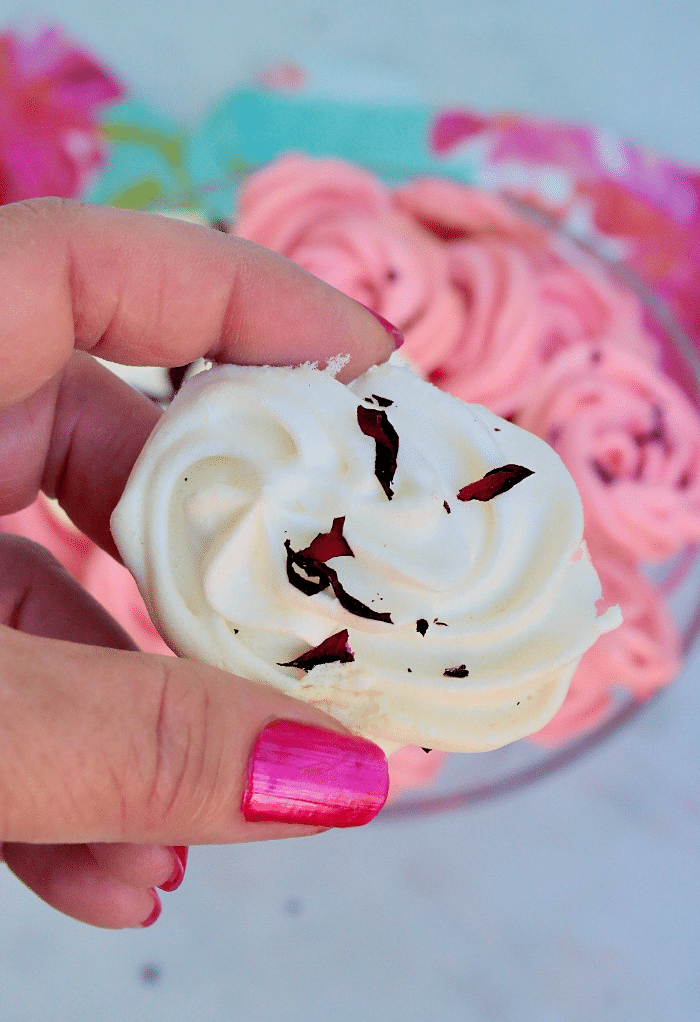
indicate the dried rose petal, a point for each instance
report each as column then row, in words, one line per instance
column 329, row 544
column 333, row 650
column 326, row 576
column 354, row 605
column 498, row 480
column 383, row 401
column 421, row 625
column 456, row 672
column 311, row 567
column 374, row 423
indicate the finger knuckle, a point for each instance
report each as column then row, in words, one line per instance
column 47, row 209
column 179, row 779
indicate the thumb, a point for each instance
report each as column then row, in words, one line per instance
column 111, row 745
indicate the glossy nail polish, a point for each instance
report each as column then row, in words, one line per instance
column 155, row 914
column 298, row 773
column 178, row 873
column 393, row 331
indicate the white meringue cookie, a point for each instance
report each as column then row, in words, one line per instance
column 250, row 464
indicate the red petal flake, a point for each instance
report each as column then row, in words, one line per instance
column 498, row 480
column 333, row 650
column 329, row 544
column 374, row 423
column 316, row 569
column 317, row 576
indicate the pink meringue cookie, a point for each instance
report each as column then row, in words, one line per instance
column 524, row 305
column 640, row 656
column 480, row 295
column 291, row 196
column 631, row 440
column 494, row 359
column 523, row 300
column 457, row 212
column 338, row 222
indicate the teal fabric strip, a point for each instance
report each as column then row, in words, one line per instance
column 250, row 128
column 146, row 158
column 153, row 163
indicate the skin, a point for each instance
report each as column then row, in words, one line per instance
column 110, row 757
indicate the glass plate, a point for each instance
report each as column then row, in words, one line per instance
column 466, row 780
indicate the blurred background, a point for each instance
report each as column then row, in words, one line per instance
column 576, row 899
column 626, row 66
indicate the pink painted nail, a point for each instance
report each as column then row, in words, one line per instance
column 178, row 873
column 298, row 773
column 393, row 331
column 157, row 907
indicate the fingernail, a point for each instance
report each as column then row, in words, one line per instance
column 178, row 873
column 393, row 331
column 298, row 773
column 157, row 907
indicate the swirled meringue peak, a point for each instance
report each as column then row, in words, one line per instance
column 411, row 564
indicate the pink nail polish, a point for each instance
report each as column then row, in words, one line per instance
column 298, row 773
column 157, row 908
column 178, row 873
column 393, row 331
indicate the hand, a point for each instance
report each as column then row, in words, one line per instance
column 113, row 761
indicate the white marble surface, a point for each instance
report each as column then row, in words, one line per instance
column 576, row 901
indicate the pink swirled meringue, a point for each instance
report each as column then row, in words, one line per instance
column 523, row 306
column 631, row 440
column 483, row 300
column 457, row 212
column 339, row 222
column 640, row 656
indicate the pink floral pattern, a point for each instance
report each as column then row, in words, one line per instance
column 50, row 91
column 646, row 205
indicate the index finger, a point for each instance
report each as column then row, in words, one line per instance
column 141, row 289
